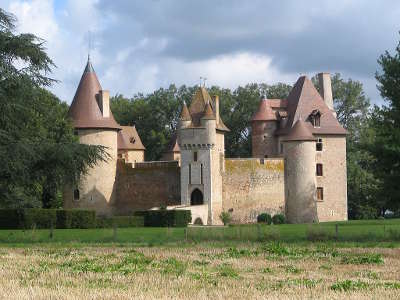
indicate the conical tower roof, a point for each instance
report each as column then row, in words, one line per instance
column 264, row 112
column 185, row 115
column 208, row 113
column 84, row 110
column 300, row 132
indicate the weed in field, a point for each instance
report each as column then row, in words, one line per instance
column 204, row 277
column 368, row 274
column 226, row 270
column 173, row 266
column 325, row 267
column 233, row 252
column 201, row 262
column 291, row 269
column 362, row 259
column 266, row 270
column 350, row 285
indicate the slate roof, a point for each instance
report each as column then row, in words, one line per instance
column 128, row 139
column 84, row 110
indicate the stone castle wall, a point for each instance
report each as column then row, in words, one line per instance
column 148, row 185
column 253, row 186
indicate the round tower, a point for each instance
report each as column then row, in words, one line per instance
column 95, row 125
column 264, row 123
column 300, row 181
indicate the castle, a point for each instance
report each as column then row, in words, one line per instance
column 298, row 163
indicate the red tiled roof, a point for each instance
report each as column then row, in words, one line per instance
column 301, row 131
column 128, row 139
column 84, row 110
column 302, row 101
column 264, row 112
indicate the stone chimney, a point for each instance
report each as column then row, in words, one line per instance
column 104, row 103
column 325, row 87
column 216, row 102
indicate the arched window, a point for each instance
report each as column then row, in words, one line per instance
column 196, row 198
column 76, row 194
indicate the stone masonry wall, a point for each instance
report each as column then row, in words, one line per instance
column 148, row 185
column 334, row 179
column 253, row 186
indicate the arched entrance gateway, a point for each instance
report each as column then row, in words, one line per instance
column 196, row 198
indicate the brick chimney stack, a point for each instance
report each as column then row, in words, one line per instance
column 325, row 86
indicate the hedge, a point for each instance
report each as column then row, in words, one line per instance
column 46, row 218
column 120, row 221
column 74, row 218
column 27, row 218
column 165, row 218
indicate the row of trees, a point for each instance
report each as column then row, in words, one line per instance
column 39, row 153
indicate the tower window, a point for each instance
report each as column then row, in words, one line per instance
column 320, row 193
column 319, row 169
column 319, row 145
column 315, row 118
column 281, row 148
column 195, row 156
column 76, row 194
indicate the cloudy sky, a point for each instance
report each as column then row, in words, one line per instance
column 139, row 46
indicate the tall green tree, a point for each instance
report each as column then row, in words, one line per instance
column 386, row 120
column 38, row 150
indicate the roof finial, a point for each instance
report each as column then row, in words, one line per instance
column 89, row 44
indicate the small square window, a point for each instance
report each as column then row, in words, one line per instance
column 319, row 170
column 320, row 193
column 319, row 145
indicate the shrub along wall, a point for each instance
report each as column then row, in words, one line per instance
column 165, row 218
column 46, row 218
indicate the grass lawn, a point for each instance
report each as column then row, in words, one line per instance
column 352, row 231
column 236, row 262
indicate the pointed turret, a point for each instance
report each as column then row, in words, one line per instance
column 300, row 132
column 208, row 113
column 185, row 115
column 90, row 106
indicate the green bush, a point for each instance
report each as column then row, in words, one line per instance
column 120, row 222
column 27, row 218
column 225, row 217
column 39, row 218
column 165, row 218
column 264, row 218
column 319, row 234
column 278, row 219
column 11, row 218
column 76, row 218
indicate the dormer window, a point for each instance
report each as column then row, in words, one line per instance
column 315, row 118
column 132, row 140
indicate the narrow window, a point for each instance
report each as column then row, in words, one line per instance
column 319, row 145
column 281, row 148
column 320, row 193
column 76, row 194
column 319, row 169
column 316, row 120
column 195, row 156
